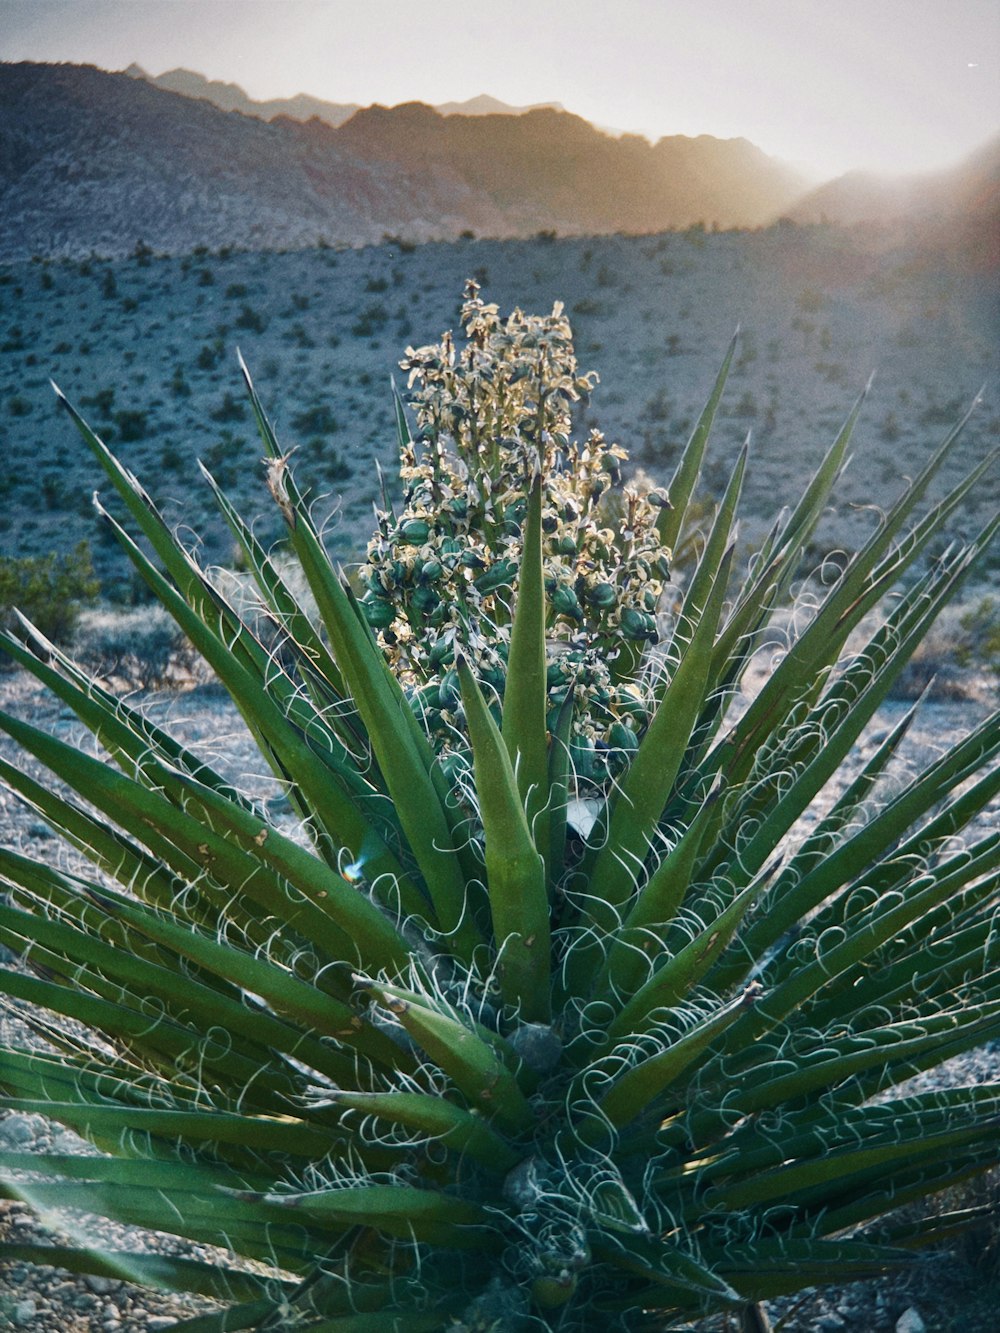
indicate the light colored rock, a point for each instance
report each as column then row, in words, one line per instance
column 910, row 1322
column 24, row 1312
column 18, row 1131
column 100, row 1285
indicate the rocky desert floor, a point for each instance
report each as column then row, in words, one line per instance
column 146, row 349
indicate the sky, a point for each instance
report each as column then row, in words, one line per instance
column 832, row 85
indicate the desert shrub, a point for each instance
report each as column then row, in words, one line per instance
column 316, row 420
column 963, row 645
column 889, row 428
column 300, row 336
column 102, row 402
column 209, row 355
column 370, row 320
column 334, row 465
column 229, row 409
column 131, row 424
column 746, row 406
column 54, row 491
column 141, row 648
column 251, row 319
column 50, row 590
column 569, row 989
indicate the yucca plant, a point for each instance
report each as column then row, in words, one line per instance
column 576, row 991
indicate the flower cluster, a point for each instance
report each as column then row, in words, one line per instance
column 493, row 415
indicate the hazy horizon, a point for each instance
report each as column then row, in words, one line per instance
column 893, row 86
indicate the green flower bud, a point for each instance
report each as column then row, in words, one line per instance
column 566, row 603
column 602, row 595
column 449, row 692
column 424, row 699
column 499, row 575
column 379, row 613
column 441, row 653
column 425, row 599
column 622, row 737
column 414, row 531
column 550, row 1292
column 582, row 756
column 629, row 704
column 638, row 624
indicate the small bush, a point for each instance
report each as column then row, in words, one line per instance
column 317, row 420
column 141, row 648
column 251, row 319
column 131, row 424
column 962, row 646
column 102, row 402
column 370, row 320
column 50, row 590
column 229, row 409
column 209, row 355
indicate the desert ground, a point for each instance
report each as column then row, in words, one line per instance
column 146, row 348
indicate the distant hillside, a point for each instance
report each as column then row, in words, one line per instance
column 231, row 97
column 957, row 209
column 91, row 161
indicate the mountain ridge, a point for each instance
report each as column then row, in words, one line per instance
column 91, row 160
column 304, row 106
column 98, row 162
